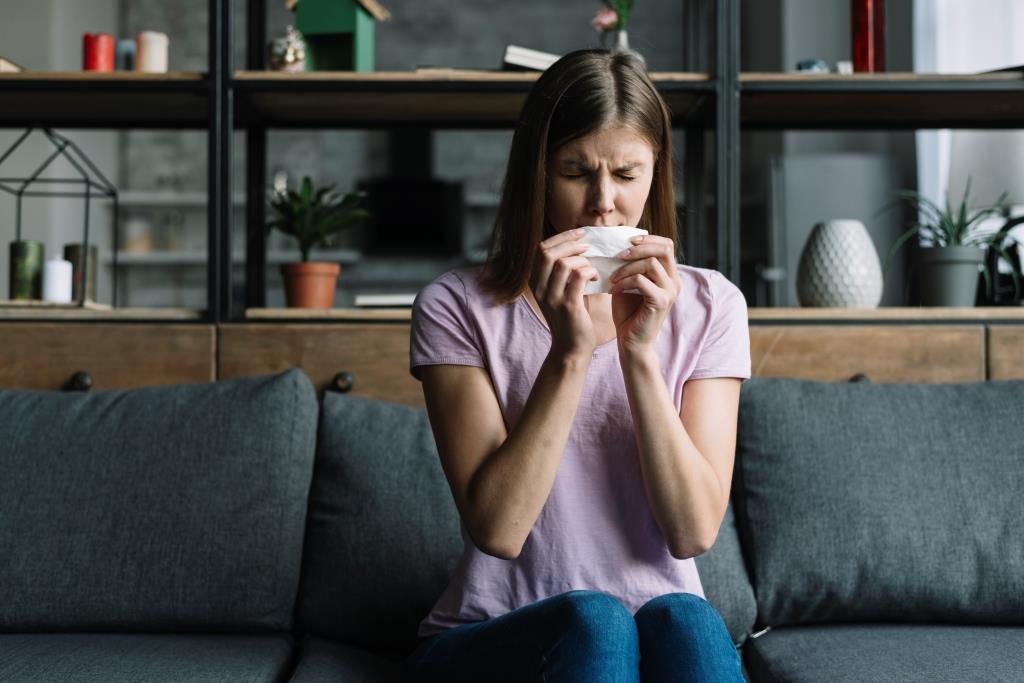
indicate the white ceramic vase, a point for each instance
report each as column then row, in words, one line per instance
column 839, row 267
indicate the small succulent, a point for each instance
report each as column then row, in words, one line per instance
column 312, row 216
column 949, row 227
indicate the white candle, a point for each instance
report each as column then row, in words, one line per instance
column 151, row 51
column 57, row 280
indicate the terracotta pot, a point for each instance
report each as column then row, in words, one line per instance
column 310, row 285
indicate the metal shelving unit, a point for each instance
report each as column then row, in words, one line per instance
column 713, row 100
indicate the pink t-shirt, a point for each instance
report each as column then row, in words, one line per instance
column 596, row 530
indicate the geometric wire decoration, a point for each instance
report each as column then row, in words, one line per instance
column 91, row 185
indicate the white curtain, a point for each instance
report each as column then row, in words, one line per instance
column 955, row 37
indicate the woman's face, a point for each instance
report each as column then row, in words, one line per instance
column 601, row 179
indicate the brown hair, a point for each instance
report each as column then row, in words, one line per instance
column 583, row 92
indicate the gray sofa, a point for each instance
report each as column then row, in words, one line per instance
column 243, row 531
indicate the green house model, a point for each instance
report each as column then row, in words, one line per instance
column 338, row 33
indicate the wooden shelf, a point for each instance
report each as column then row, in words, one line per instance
column 33, row 310
column 914, row 314
column 440, row 98
column 119, row 99
column 397, row 313
column 882, row 101
column 755, row 315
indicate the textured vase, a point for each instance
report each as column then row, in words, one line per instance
column 839, row 267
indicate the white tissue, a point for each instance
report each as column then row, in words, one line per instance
column 605, row 244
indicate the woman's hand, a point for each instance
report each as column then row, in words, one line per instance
column 557, row 280
column 652, row 270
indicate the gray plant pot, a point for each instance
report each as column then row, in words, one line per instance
column 949, row 275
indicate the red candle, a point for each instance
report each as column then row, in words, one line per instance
column 97, row 52
column 868, row 21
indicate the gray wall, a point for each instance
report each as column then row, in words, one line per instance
column 776, row 34
column 47, row 35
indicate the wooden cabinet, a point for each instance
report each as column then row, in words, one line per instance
column 363, row 359
column 1006, row 351
column 113, row 356
column 885, row 353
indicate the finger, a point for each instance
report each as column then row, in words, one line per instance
column 555, row 287
column 567, row 236
column 662, row 248
column 547, row 258
column 648, row 289
column 578, row 281
column 650, row 266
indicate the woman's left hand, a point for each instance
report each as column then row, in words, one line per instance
column 651, row 270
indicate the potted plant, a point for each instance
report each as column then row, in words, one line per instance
column 313, row 216
column 612, row 20
column 948, row 270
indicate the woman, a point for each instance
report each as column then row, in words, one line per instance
column 588, row 440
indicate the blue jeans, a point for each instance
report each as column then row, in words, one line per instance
column 586, row 636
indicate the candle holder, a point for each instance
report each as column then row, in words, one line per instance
column 88, row 184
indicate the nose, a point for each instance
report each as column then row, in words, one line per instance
column 602, row 197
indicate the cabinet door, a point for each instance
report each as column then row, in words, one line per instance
column 1006, row 351
column 370, row 360
column 885, row 353
column 111, row 356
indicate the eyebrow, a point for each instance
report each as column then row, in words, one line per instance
column 629, row 166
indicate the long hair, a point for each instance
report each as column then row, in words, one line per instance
column 583, row 92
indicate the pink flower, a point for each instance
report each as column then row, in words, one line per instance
column 605, row 19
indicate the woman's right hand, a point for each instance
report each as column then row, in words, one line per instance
column 557, row 281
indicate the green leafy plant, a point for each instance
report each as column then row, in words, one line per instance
column 949, row 227
column 313, row 216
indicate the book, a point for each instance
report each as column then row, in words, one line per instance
column 382, row 300
column 519, row 58
column 7, row 66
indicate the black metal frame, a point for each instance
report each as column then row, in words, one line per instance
column 83, row 165
column 719, row 118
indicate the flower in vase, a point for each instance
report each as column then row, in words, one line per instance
column 606, row 19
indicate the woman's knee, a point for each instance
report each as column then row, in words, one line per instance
column 679, row 610
column 593, row 612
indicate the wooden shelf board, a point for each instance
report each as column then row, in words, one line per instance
column 103, row 100
column 908, row 314
column 398, row 313
column 752, row 77
column 880, row 101
column 22, row 310
column 755, row 315
column 438, row 97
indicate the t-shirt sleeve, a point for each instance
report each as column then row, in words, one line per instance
column 442, row 332
column 725, row 351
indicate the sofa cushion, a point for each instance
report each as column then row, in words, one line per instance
column 383, row 532
column 886, row 652
column 324, row 661
column 155, row 509
column 725, row 581
column 865, row 502
column 68, row 657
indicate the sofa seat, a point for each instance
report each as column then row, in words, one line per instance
column 887, row 653
column 144, row 657
column 323, row 661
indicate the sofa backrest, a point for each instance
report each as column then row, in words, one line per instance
column 383, row 531
column 888, row 502
column 173, row 508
